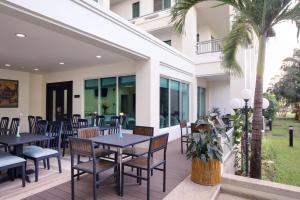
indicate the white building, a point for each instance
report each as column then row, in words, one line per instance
column 86, row 56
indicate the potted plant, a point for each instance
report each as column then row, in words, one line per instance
column 206, row 153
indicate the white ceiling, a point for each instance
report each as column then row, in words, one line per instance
column 112, row 2
column 45, row 49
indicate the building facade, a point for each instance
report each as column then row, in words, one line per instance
column 118, row 56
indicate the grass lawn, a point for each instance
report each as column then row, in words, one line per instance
column 286, row 159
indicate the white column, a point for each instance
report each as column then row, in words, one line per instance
column 147, row 94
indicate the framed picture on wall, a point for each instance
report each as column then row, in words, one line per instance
column 9, row 93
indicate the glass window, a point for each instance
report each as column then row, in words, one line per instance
column 164, row 103
column 161, row 5
column 185, row 101
column 127, row 101
column 167, row 4
column 174, row 102
column 135, row 9
column 201, row 102
column 90, row 98
column 108, row 97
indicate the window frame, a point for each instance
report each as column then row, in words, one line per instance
column 99, row 87
column 180, row 99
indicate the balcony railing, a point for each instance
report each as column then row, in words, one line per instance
column 209, row 46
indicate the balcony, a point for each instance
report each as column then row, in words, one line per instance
column 210, row 46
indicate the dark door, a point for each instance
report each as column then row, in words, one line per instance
column 59, row 100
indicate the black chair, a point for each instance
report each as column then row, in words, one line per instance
column 95, row 166
column 114, row 122
column 13, row 129
column 66, row 134
column 40, row 128
column 83, row 123
column 100, row 120
column 75, row 118
column 38, row 118
column 149, row 163
column 31, row 123
column 4, row 125
column 185, row 136
column 8, row 161
column 52, row 149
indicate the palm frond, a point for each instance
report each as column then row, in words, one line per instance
column 240, row 35
column 179, row 12
column 291, row 12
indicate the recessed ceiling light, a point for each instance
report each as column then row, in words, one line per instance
column 36, row 69
column 20, row 35
column 7, row 65
column 98, row 56
column 61, row 63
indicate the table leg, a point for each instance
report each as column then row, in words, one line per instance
column 120, row 156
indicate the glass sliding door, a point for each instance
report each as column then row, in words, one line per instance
column 91, row 94
column 164, row 103
column 201, row 102
column 185, row 101
column 127, row 101
column 108, row 97
column 175, row 100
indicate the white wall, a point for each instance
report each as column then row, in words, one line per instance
column 219, row 95
column 23, row 98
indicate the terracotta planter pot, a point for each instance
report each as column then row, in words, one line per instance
column 206, row 173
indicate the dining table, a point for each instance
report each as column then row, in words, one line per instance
column 18, row 143
column 120, row 142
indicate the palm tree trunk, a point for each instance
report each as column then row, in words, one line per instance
column 255, row 160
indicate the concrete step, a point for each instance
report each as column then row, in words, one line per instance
column 258, row 189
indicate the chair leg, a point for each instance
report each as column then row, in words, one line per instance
column 36, row 165
column 140, row 174
column 44, row 162
column 181, row 145
column 72, row 184
column 137, row 175
column 164, row 178
column 59, row 163
column 78, row 161
column 148, row 184
column 48, row 163
column 23, row 175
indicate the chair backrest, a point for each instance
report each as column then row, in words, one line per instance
column 31, row 123
column 114, row 120
column 197, row 128
column 83, row 123
column 68, row 128
column 40, row 127
column 38, row 118
column 183, row 127
column 82, row 147
column 14, row 126
column 90, row 132
column 75, row 118
column 4, row 125
column 158, row 143
column 100, row 120
column 55, row 131
column 143, row 130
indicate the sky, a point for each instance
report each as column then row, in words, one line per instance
column 278, row 48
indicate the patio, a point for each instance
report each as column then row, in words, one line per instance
column 53, row 185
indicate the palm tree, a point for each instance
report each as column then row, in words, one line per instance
column 252, row 18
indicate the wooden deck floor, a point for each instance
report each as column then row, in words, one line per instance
column 178, row 168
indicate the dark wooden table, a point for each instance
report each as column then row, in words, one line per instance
column 18, row 143
column 115, row 141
